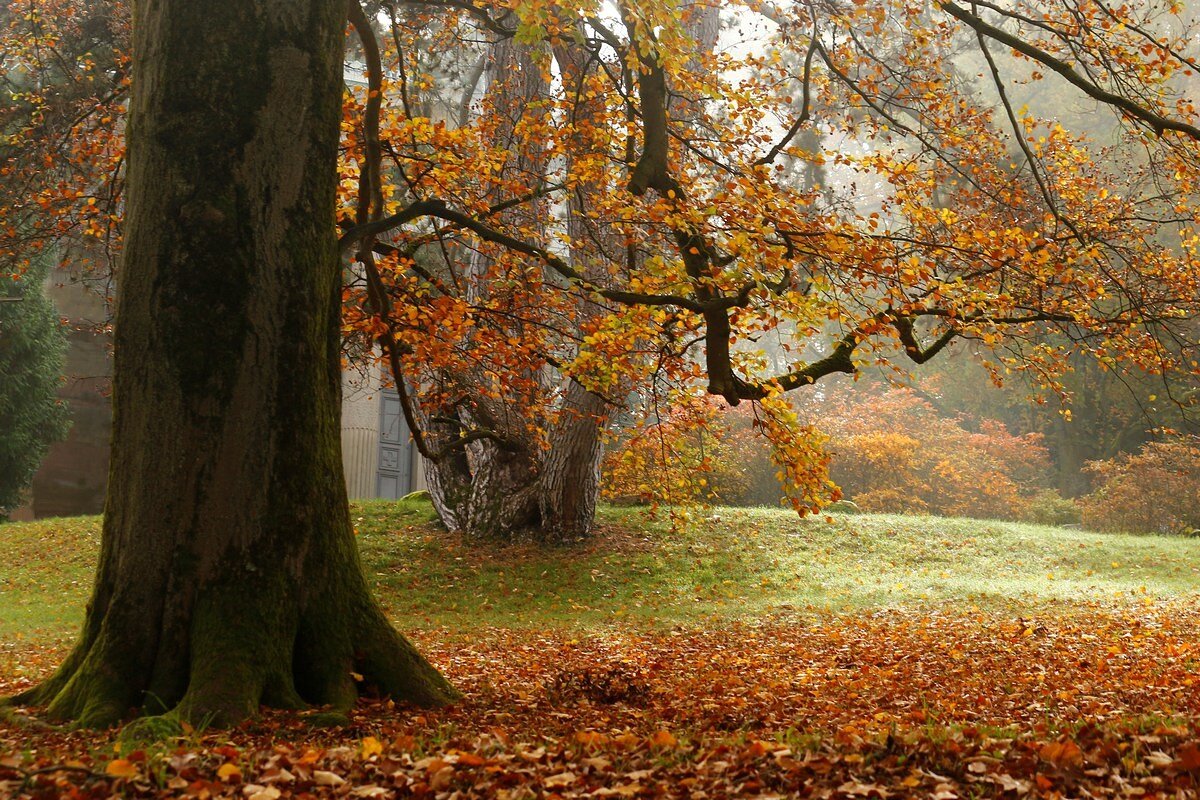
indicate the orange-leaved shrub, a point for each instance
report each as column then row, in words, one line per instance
column 888, row 452
column 1156, row 490
column 894, row 452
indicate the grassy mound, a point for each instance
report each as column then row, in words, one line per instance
column 722, row 564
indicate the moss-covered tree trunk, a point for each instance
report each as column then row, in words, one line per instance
column 229, row 575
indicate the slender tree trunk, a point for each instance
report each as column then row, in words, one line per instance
column 229, row 575
column 569, row 485
column 570, row 477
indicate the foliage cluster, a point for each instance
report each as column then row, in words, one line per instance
column 889, row 452
column 677, row 457
column 895, row 453
column 510, row 224
column 1156, row 490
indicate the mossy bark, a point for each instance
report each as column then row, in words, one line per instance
column 229, row 576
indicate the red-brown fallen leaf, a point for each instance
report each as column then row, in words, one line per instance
column 200, row 788
column 756, row 749
column 1189, row 756
column 471, row 760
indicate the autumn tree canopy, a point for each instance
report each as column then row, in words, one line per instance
column 851, row 182
column 855, row 182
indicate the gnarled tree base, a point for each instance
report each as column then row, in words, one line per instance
column 279, row 643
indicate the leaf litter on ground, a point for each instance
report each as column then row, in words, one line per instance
column 949, row 703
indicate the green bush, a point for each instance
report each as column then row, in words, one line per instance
column 32, row 342
column 1048, row 507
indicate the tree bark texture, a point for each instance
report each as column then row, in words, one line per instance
column 491, row 492
column 229, row 575
column 570, row 479
column 548, row 493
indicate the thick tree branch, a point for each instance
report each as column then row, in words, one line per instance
column 912, row 348
column 1157, row 122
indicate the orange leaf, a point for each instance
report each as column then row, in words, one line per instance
column 471, row 760
column 663, row 739
column 1066, row 755
column 371, row 747
column 590, row 738
column 121, row 768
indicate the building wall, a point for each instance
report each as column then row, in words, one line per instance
column 360, row 431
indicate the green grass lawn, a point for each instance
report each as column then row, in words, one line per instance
column 719, row 564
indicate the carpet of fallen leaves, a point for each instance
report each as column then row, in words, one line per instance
column 1098, row 702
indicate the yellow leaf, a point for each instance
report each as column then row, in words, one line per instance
column 561, row 779
column 371, row 747
column 121, row 768
column 229, row 772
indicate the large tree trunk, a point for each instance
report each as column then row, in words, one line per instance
column 448, row 478
column 229, row 575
